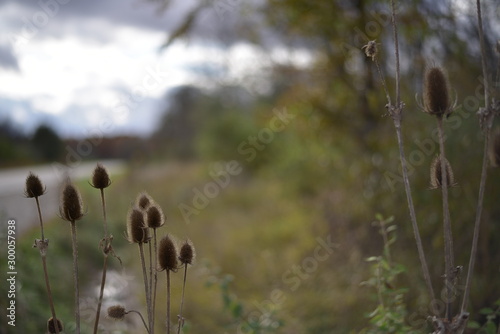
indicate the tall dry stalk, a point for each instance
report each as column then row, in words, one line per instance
column 35, row 189
column 395, row 111
column 486, row 117
column 167, row 260
column 71, row 211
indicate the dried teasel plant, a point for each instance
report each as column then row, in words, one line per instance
column 137, row 232
column 118, row 312
column 34, row 189
column 436, row 174
column 154, row 220
column 437, row 102
column 101, row 180
column 167, row 260
column 71, row 210
column 186, row 257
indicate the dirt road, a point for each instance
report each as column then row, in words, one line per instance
column 13, row 203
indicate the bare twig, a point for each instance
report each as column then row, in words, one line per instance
column 106, row 247
column 395, row 112
column 181, row 319
column 75, row 276
column 145, row 278
column 142, row 318
column 168, row 301
column 486, row 118
column 448, row 239
column 43, row 246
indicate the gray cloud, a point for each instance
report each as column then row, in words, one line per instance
column 7, row 58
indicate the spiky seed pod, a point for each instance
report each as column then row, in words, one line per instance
column 51, row 325
column 167, row 254
column 71, row 203
column 371, row 49
column 155, row 217
column 495, row 150
column 187, row 253
column 144, row 201
column 436, row 177
column 34, row 187
column 436, row 95
column 116, row 312
column 100, row 178
column 137, row 231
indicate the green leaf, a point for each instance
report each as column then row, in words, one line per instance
column 486, row 311
column 392, row 228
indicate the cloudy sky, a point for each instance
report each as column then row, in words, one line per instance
column 83, row 65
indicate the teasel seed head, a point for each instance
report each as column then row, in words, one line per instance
column 116, row 312
column 51, row 325
column 436, row 94
column 100, row 178
column 371, row 49
column 144, row 201
column 155, row 217
column 71, row 203
column 137, row 231
column 167, row 254
column 436, row 177
column 495, row 150
column 34, row 187
column 187, row 253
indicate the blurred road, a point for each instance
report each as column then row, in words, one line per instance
column 13, row 203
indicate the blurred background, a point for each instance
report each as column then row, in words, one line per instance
column 259, row 128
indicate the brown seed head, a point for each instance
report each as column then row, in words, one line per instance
column 186, row 254
column 436, row 175
column 34, row 187
column 371, row 49
column 100, row 178
column 436, row 96
column 71, row 203
column 495, row 150
column 144, row 201
column 137, row 232
column 167, row 254
column 116, row 312
column 51, row 325
column 155, row 217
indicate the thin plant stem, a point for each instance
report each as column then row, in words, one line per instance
column 145, row 279
column 477, row 223
column 43, row 246
column 395, row 112
column 168, row 301
column 448, row 238
column 105, row 220
column 49, row 292
column 75, row 276
column 40, row 217
column 483, row 55
column 484, row 170
column 151, row 320
column 155, row 273
column 413, row 216
column 142, row 318
column 396, row 51
column 181, row 319
column 101, row 293
column 105, row 246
